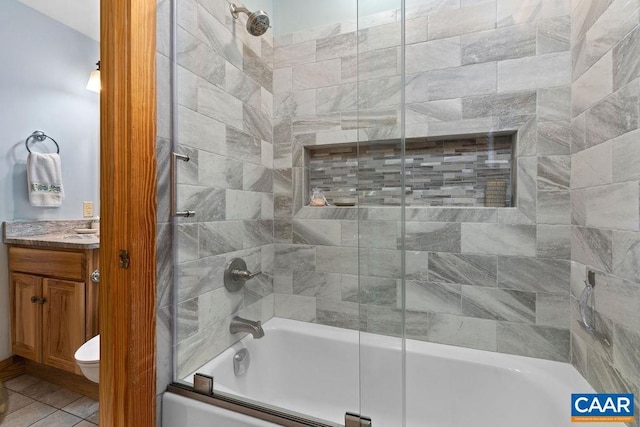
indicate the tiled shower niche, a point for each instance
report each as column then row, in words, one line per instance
column 465, row 171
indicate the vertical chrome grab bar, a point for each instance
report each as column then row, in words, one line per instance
column 584, row 307
column 173, row 199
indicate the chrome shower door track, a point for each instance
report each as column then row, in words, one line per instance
column 231, row 403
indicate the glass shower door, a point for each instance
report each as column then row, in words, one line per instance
column 253, row 113
column 379, row 120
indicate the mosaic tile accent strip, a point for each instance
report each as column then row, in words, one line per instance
column 460, row 172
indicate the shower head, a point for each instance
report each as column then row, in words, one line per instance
column 257, row 22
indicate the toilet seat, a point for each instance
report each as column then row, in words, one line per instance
column 88, row 358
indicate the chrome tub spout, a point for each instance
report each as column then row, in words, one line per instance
column 238, row 324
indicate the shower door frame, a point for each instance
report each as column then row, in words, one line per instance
column 128, row 211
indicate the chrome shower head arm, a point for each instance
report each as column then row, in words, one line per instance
column 238, row 9
column 258, row 22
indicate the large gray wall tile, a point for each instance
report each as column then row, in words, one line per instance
column 511, row 104
column 337, row 259
column 554, row 207
column 294, row 54
column 534, row 275
column 503, row 43
column 553, row 241
column 592, row 86
column 380, row 262
column 462, row 331
column 534, row 72
column 215, row 35
column 499, row 239
column 554, row 35
column 554, row 137
column 618, row 300
column 317, row 284
column 477, row 270
column 614, row 116
column 379, row 37
column 433, row 297
column 554, row 172
column 296, row 307
column 533, row 341
column 593, row 166
column 499, row 304
column 463, row 81
column 340, row 313
column 433, row 55
column 623, row 196
column 625, row 253
column 463, row 20
column 294, row 257
column 512, row 12
column 626, row 357
column 554, row 104
column 441, row 237
column 592, row 246
column 626, row 65
column 317, row 74
column 626, row 155
column 553, row 310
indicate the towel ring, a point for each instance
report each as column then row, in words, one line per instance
column 40, row 136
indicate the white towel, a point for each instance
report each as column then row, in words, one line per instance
column 44, row 177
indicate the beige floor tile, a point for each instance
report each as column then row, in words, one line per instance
column 20, row 383
column 28, row 415
column 58, row 419
column 60, row 398
column 18, row 401
column 94, row 418
column 85, row 423
column 82, row 407
column 39, row 390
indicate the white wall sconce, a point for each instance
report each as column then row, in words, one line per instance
column 94, row 84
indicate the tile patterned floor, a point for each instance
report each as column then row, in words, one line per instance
column 37, row 403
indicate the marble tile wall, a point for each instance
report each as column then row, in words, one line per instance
column 564, row 75
column 224, row 114
column 605, row 189
column 461, row 172
column 496, row 279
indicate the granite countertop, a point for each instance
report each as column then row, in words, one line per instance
column 49, row 234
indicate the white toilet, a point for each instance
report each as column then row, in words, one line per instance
column 88, row 359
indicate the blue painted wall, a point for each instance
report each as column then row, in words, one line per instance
column 45, row 67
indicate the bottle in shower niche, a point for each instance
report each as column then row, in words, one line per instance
column 317, row 198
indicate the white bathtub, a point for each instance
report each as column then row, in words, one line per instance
column 324, row 372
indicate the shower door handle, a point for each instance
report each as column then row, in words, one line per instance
column 174, row 211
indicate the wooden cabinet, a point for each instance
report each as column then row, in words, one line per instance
column 26, row 320
column 53, row 304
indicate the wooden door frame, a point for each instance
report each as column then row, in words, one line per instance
column 128, row 213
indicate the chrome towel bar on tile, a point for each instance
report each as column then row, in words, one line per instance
column 173, row 183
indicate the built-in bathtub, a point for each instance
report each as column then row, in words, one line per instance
column 323, row 372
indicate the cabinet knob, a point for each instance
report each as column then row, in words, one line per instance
column 95, row 276
column 38, row 300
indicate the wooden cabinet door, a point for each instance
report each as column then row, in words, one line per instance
column 26, row 316
column 63, row 322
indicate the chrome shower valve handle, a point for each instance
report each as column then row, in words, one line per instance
column 244, row 274
column 236, row 275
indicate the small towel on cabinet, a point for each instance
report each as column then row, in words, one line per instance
column 44, row 177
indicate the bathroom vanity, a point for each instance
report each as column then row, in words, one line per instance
column 54, row 295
